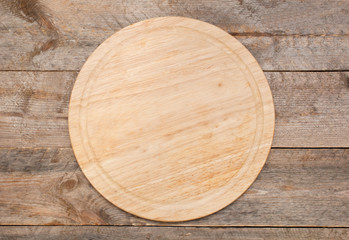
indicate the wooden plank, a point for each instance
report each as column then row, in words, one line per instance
column 60, row 35
column 312, row 108
column 286, row 53
column 105, row 232
column 297, row 187
column 247, row 16
column 34, row 108
column 292, row 53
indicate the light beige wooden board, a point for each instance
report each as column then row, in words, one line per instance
column 171, row 119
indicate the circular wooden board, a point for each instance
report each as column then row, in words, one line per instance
column 171, row 119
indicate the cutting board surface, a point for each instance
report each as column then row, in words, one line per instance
column 171, row 119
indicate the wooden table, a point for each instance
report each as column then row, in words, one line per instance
column 303, row 190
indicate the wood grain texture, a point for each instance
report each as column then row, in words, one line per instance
column 248, row 16
column 60, row 35
column 171, row 123
column 286, row 53
column 296, row 188
column 311, row 108
column 34, row 108
column 171, row 233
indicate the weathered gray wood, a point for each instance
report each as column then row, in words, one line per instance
column 284, row 35
column 173, row 233
column 299, row 53
column 297, row 187
column 287, row 53
column 312, row 109
column 236, row 16
column 34, row 108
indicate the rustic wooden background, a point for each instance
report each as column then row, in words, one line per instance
column 303, row 190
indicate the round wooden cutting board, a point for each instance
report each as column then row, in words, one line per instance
column 171, row 119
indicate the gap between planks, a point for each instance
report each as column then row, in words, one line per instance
column 290, row 148
column 180, row 226
column 97, row 232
